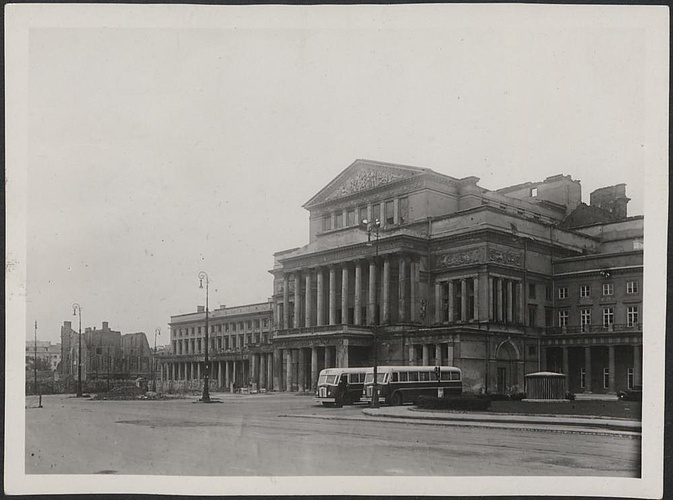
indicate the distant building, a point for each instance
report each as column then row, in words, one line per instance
column 106, row 353
column 50, row 353
column 498, row 283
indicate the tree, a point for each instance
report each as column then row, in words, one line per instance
column 43, row 364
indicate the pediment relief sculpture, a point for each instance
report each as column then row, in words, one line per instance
column 362, row 181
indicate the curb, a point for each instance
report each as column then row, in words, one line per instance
column 591, row 422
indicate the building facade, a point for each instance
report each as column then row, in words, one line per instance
column 451, row 274
column 46, row 351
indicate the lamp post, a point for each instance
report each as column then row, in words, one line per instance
column 374, row 226
column 206, row 372
column 77, row 310
column 39, row 405
column 157, row 331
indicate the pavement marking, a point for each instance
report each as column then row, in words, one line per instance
column 166, row 423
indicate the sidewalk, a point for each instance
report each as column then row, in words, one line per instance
column 410, row 412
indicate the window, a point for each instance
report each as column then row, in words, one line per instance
column 548, row 316
column 608, row 288
column 533, row 192
column 362, row 214
column 548, row 294
column 219, row 328
column 632, row 316
column 327, row 222
column 532, row 350
column 583, row 377
column 563, row 318
column 630, row 377
column 532, row 315
column 531, row 290
column 404, row 376
column 608, row 316
column 226, row 327
column 390, row 212
column 606, row 378
column 585, row 319
column 233, row 327
column 266, row 322
column 338, row 220
column 376, row 212
column 424, row 376
column 585, row 291
column 631, row 287
column 404, row 210
column 563, row 292
column 350, row 218
column 413, row 376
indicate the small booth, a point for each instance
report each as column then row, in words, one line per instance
column 545, row 385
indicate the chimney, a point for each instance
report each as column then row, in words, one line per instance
column 105, row 326
column 200, row 309
column 87, row 329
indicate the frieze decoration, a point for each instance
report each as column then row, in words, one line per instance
column 366, row 179
column 504, row 257
column 459, row 258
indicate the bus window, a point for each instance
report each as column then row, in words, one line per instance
column 395, row 378
column 404, row 376
column 413, row 376
column 446, row 375
column 331, row 379
column 380, row 377
column 424, row 376
column 455, row 375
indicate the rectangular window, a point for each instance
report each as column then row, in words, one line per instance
column 608, row 316
column 532, row 315
column 404, row 210
column 563, row 292
column 424, row 376
column 413, row 376
column 606, row 378
column 404, row 376
column 630, row 377
column 585, row 291
column 533, row 192
column 531, row 290
column 338, row 220
column 631, row 316
column 548, row 316
column 233, row 327
column 327, row 222
column 585, row 319
column 608, row 288
column 583, row 377
column 351, row 218
column 219, row 328
column 390, row 212
column 548, row 294
column 363, row 214
column 631, row 287
column 199, row 330
column 563, row 318
column 376, row 212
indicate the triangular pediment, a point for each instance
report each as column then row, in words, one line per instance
column 361, row 176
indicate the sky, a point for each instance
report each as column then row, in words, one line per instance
column 162, row 148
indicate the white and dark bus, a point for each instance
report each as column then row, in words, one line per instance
column 403, row 384
column 327, row 389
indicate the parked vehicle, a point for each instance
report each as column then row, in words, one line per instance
column 635, row 394
column 339, row 386
column 404, row 384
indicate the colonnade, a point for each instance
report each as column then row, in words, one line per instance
column 431, row 354
column 457, row 299
column 298, row 368
column 507, row 300
column 359, row 292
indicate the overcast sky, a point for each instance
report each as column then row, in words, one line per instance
column 160, row 149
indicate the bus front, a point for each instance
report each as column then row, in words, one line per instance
column 326, row 388
column 382, row 386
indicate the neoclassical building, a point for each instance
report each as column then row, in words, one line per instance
column 493, row 282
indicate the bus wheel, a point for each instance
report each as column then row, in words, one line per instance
column 396, row 399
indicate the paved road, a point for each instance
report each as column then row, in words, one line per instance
column 279, row 435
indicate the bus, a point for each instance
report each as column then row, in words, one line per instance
column 328, row 382
column 403, row 384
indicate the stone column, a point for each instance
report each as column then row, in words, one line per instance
column 357, row 307
column 402, row 288
column 520, row 295
column 328, row 357
column 396, row 211
column 510, row 305
column 344, row 293
column 413, row 292
column 449, row 355
column 463, row 299
column 611, row 369
column 262, row 371
column 297, row 300
column 587, row 369
column 288, row 369
column 438, row 354
column 220, row 374
column 475, row 312
column 294, row 359
column 286, row 302
column 566, row 369
column 342, row 354
column 314, row 367
column 386, row 289
column 543, row 359
column 491, row 304
column 277, row 370
column 301, row 369
column 320, row 280
column 498, row 301
column 254, row 368
column 371, row 296
column 173, row 371
column 438, row 303
column 637, row 362
column 426, row 360
column 332, row 296
column 198, row 370
column 450, row 291
column 270, row 383
column 308, row 299
column 412, row 355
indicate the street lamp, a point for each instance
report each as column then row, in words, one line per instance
column 206, row 372
column 77, row 309
column 39, row 405
column 374, row 226
column 157, row 331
